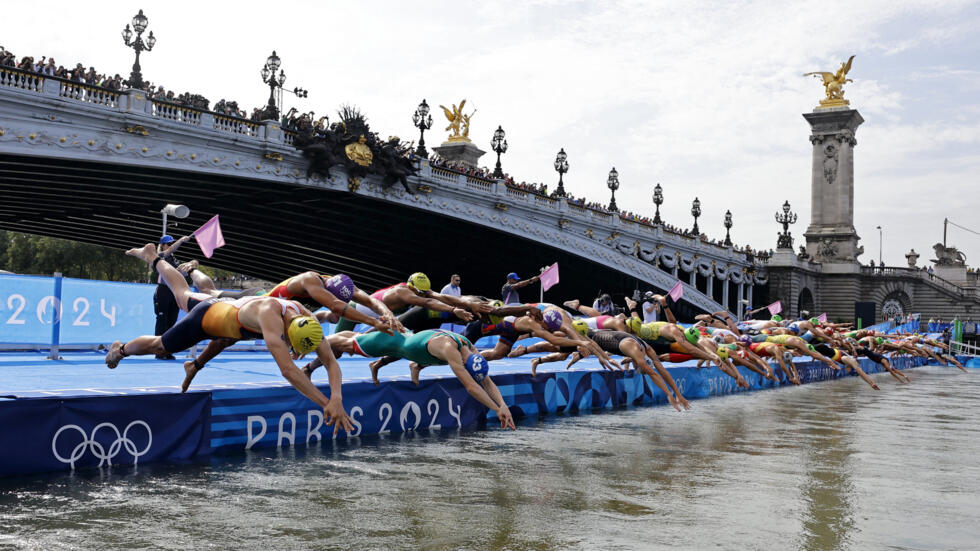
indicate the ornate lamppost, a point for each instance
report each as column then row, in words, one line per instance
column 785, row 240
column 695, row 212
column 139, row 25
column 658, row 199
column 561, row 166
column 423, row 121
column 613, row 184
column 269, row 77
column 498, row 144
column 728, row 227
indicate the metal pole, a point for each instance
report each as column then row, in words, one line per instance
column 945, row 222
column 164, row 225
column 56, row 320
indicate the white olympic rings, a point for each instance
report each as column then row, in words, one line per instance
column 98, row 450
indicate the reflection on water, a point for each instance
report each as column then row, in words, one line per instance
column 824, row 466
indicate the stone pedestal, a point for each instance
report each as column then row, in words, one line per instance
column 953, row 274
column 460, row 152
column 831, row 236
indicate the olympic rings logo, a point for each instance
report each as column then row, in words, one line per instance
column 98, row 450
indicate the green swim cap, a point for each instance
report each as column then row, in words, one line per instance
column 777, row 318
column 692, row 335
column 815, row 321
column 810, row 346
column 879, row 340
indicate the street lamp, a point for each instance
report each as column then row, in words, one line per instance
column 695, row 212
column 423, row 121
column 498, row 144
column 728, row 227
column 139, row 24
column 658, row 199
column 879, row 246
column 561, row 166
column 613, row 184
column 269, row 77
column 785, row 240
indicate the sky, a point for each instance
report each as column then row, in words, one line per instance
column 705, row 98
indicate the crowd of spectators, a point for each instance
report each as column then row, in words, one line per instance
column 49, row 67
column 481, row 172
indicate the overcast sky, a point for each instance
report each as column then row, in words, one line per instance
column 703, row 97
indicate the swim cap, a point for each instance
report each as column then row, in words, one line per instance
column 340, row 286
column 496, row 319
column 810, row 346
column 305, row 334
column 815, row 321
column 420, row 281
column 552, row 320
column 722, row 352
column 787, row 355
column 581, row 327
column 745, row 339
column 635, row 325
column 879, row 340
column 777, row 318
column 477, row 367
column 692, row 335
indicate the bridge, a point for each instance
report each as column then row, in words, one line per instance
column 93, row 165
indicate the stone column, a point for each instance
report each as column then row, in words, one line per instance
column 724, row 294
column 741, row 294
column 711, row 284
column 831, row 237
column 748, row 292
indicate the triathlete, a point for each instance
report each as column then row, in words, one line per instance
column 283, row 324
column 432, row 347
column 417, row 291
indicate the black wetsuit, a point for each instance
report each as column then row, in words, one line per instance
column 611, row 340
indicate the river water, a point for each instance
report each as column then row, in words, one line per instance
column 825, row 466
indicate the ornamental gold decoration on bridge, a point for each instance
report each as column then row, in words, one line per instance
column 359, row 152
column 459, row 123
column 833, row 84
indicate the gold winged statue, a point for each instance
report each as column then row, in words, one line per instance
column 833, row 84
column 458, row 122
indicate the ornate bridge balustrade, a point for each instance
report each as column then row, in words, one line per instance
column 42, row 116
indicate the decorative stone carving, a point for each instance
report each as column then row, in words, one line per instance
column 827, row 249
column 830, row 162
column 947, row 256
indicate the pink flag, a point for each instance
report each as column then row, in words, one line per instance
column 677, row 291
column 775, row 308
column 549, row 278
column 209, row 236
column 822, row 317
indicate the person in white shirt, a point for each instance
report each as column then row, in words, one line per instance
column 650, row 307
column 452, row 288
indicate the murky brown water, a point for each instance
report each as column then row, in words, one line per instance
column 825, row 466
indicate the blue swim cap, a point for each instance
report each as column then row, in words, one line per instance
column 340, row 286
column 477, row 367
column 552, row 320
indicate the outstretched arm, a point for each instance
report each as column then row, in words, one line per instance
column 314, row 288
column 385, row 315
column 526, row 282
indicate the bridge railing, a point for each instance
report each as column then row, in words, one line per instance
column 176, row 112
column 15, row 78
column 914, row 273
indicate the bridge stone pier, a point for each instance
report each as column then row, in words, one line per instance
column 94, row 165
column 826, row 276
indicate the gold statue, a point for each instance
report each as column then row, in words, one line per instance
column 359, row 152
column 458, row 122
column 833, row 84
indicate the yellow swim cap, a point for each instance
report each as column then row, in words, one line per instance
column 581, row 327
column 723, row 352
column 496, row 304
column 634, row 325
column 305, row 334
column 420, row 281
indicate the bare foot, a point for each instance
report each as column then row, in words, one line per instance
column 518, row 351
column 375, row 366
column 534, row 366
column 573, row 304
column 190, row 370
column 115, row 355
column 148, row 252
column 630, row 303
column 415, row 369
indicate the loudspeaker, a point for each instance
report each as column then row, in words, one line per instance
column 864, row 314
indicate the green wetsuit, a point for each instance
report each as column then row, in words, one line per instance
column 413, row 347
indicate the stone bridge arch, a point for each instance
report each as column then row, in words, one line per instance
column 804, row 301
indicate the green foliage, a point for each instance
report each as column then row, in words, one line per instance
column 34, row 254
